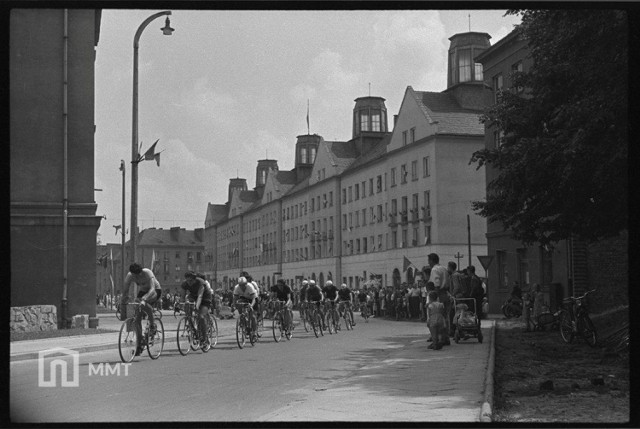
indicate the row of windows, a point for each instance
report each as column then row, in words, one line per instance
column 359, row 190
column 370, row 244
column 412, row 139
column 370, row 120
column 466, row 69
column 315, row 204
column 307, row 154
column 256, row 224
column 377, row 214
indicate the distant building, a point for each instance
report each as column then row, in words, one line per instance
column 351, row 210
column 53, row 222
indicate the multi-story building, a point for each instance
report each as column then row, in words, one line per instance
column 53, row 222
column 350, row 210
column 561, row 269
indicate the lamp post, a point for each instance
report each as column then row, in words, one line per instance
column 135, row 156
column 123, row 230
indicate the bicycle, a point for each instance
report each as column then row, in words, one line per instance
column 316, row 319
column 243, row 326
column 279, row 328
column 344, row 311
column 332, row 317
column 188, row 335
column 364, row 312
column 400, row 310
column 306, row 321
column 574, row 320
column 152, row 339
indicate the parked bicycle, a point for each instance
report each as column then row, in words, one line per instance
column 280, row 328
column 243, row 325
column 189, row 337
column 575, row 321
column 152, row 335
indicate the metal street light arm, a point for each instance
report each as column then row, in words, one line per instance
column 145, row 23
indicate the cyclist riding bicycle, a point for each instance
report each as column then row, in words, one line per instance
column 314, row 293
column 201, row 295
column 282, row 292
column 148, row 293
column 244, row 292
column 330, row 292
column 363, row 298
column 344, row 299
column 208, row 285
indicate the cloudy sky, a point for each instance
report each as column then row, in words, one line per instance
column 231, row 87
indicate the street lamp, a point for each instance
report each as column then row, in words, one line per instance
column 122, row 276
column 135, row 156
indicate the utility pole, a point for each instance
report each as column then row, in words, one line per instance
column 469, row 237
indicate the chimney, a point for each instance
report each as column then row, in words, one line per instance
column 199, row 233
column 395, row 120
column 175, row 233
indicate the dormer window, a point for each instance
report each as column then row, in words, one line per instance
column 312, row 155
column 364, row 121
column 303, row 155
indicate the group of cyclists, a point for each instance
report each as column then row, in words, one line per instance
column 247, row 292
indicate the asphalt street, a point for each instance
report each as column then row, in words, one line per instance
column 381, row 371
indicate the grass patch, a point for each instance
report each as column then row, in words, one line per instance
column 39, row 335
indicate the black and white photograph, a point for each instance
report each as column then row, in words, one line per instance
column 318, row 213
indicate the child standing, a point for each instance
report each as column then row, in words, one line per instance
column 435, row 320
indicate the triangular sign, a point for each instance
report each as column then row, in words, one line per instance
column 485, row 261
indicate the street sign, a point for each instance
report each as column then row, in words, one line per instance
column 485, row 261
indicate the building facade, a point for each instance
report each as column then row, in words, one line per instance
column 350, row 210
column 53, row 222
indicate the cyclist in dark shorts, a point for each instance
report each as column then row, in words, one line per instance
column 344, row 295
column 282, row 292
column 314, row 293
column 200, row 293
column 147, row 295
column 362, row 299
column 330, row 292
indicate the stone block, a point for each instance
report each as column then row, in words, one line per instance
column 80, row 321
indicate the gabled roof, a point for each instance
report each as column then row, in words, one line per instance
column 286, row 177
column 163, row 237
column 378, row 151
column 451, row 118
column 342, row 154
column 303, row 184
column 216, row 213
column 249, row 196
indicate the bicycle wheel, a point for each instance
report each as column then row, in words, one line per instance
column 127, row 341
column 329, row 322
column 212, row 334
column 157, row 314
column 314, row 325
column 183, row 336
column 240, row 334
column 305, row 322
column 566, row 327
column 288, row 333
column 319, row 323
column 347, row 320
column 585, row 325
column 119, row 313
column 195, row 334
column 253, row 336
column 155, row 343
column 277, row 326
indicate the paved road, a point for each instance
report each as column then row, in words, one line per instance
column 382, row 371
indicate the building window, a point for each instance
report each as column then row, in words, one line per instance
column 364, row 190
column 403, row 173
column 498, row 138
column 350, row 193
column 357, row 245
column 497, row 87
column 364, row 121
column 375, row 120
column 350, row 220
column 364, row 217
column 516, row 68
column 414, row 170
column 427, row 234
column 393, row 176
column 357, row 189
column 464, row 65
column 404, row 138
column 344, row 222
column 357, row 214
column 394, row 239
column 404, row 239
column 370, row 187
column 413, row 134
column 379, row 213
column 364, row 245
column 425, row 167
column 414, row 240
column 379, row 184
column 503, row 274
column 312, row 155
column 344, row 196
column 177, row 255
column 303, row 155
column 523, row 267
column 452, row 68
column 478, row 76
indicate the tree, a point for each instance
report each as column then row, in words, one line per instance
column 562, row 169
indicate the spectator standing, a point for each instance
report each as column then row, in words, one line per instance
column 477, row 292
column 415, row 301
column 435, row 321
column 457, row 279
column 439, row 274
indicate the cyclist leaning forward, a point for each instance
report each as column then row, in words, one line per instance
column 148, row 293
column 363, row 297
column 314, row 293
column 244, row 292
column 344, row 298
column 331, row 294
column 282, row 292
column 200, row 293
column 303, row 294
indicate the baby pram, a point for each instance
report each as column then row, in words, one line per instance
column 466, row 321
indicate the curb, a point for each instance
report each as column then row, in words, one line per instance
column 486, row 412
